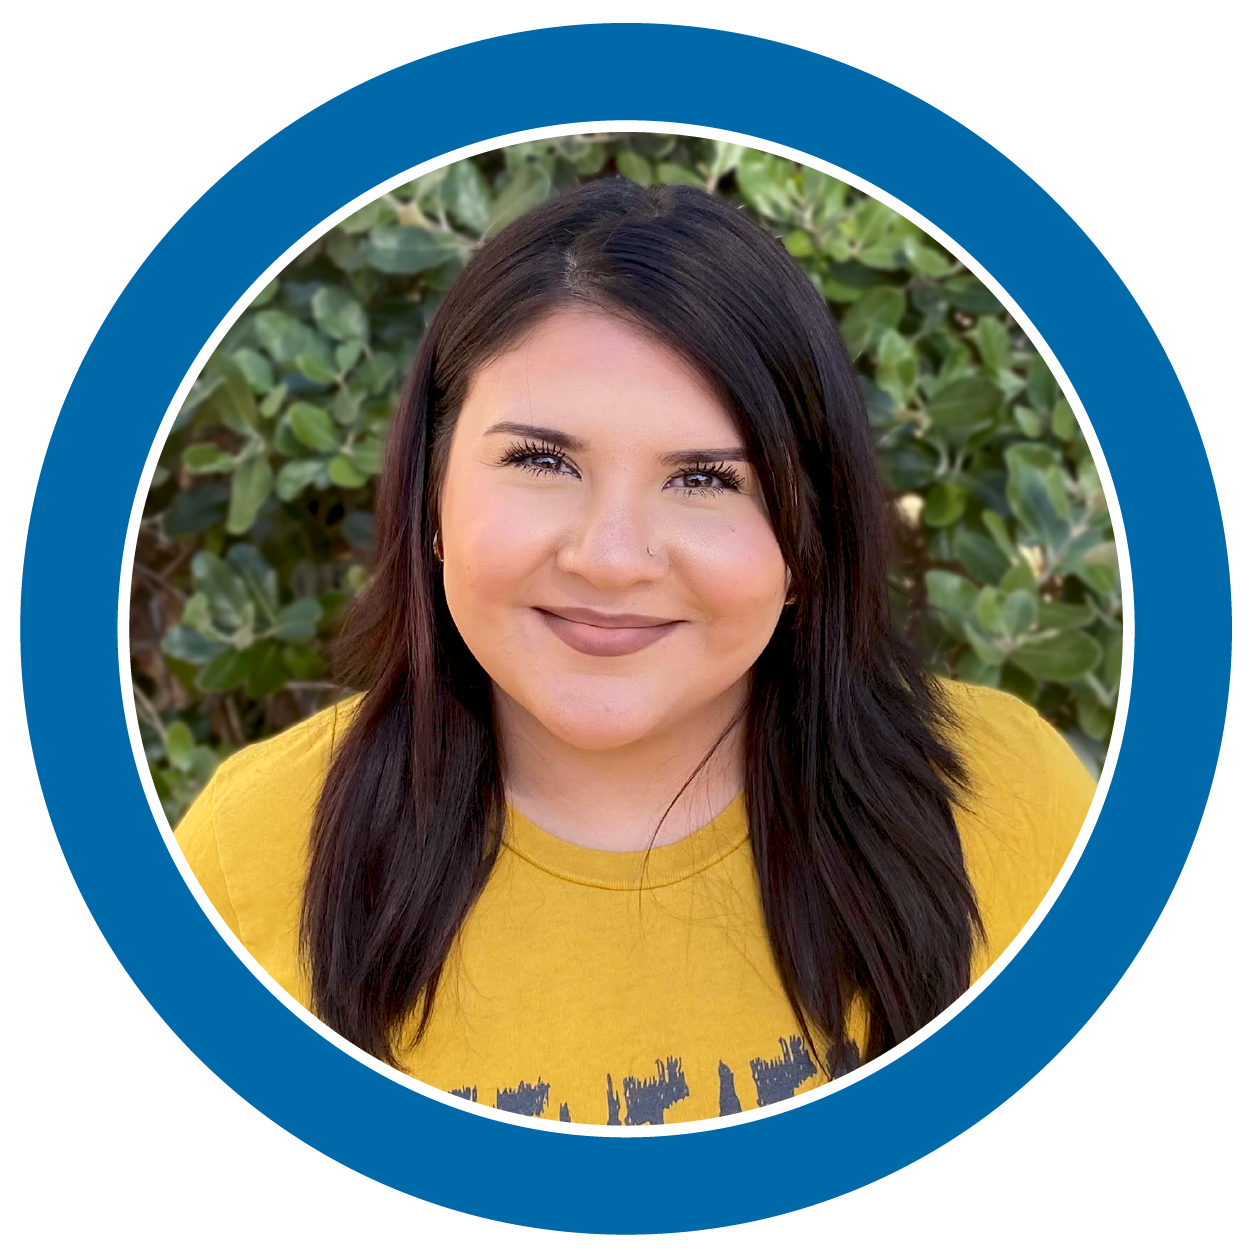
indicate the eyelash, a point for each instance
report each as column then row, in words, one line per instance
column 523, row 455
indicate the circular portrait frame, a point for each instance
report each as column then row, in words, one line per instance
column 492, row 1165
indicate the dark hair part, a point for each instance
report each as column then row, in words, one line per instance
column 850, row 775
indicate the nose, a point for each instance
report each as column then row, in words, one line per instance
column 610, row 543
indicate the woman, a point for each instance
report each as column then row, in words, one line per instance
column 646, row 813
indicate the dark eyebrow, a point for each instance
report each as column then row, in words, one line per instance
column 561, row 439
column 542, row 432
column 705, row 453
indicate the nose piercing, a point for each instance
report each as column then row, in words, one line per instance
column 650, row 552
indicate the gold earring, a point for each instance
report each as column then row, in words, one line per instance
column 786, row 603
column 438, row 551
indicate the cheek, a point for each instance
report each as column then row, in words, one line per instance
column 739, row 577
column 493, row 547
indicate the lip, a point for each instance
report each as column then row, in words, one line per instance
column 604, row 633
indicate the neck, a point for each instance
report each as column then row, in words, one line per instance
column 616, row 798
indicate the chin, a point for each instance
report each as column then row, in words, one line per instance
column 595, row 724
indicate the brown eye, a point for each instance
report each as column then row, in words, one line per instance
column 537, row 459
column 709, row 480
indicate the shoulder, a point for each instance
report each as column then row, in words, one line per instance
column 284, row 768
column 246, row 836
column 999, row 734
column 1027, row 798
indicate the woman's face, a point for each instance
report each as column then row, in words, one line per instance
column 608, row 559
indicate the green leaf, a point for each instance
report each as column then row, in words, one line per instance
column 635, row 167
column 249, row 488
column 201, row 390
column 980, row 555
column 986, row 649
column 1063, row 422
column 799, row 243
column 1100, row 578
column 1020, row 613
column 1041, row 388
column 1018, row 577
column 347, row 354
column 344, row 473
column 226, row 592
column 224, row 672
column 303, row 662
column 195, row 510
column 911, row 466
column 273, row 402
column 233, row 401
column 879, row 309
column 926, row 259
column 179, row 745
column 944, row 505
column 267, row 293
column 375, row 373
column 966, row 292
column 990, row 605
column 297, row 622
column 965, row 403
column 1112, row 660
column 410, row 249
column 1030, row 423
column 339, row 314
column 266, row 670
column 949, row 592
column 258, row 576
column 315, row 368
column 1064, row 657
column 1053, row 615
column 1035, row 506
column 285, row 338
column 1016, row 681
column 1095, row 719
column 588, row 158
column 1037, row 493
column 313, row 427
column 345, row 408
column 993, row 344
column 366, row 456
column 725, row 158
column 973, row 669
column 527, row 187
column 998, row 530
column 468, row 197
column 366, row 218
column 766, row 182
column 257, row 372
column 296, row 476
column 342, row 249
column 207, row 458
column 182, row 643
column 670, row 174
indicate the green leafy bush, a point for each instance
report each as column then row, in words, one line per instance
column 258, row 524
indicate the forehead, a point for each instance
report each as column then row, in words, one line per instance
column 588, row 372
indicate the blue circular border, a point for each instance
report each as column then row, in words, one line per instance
column 566, row 76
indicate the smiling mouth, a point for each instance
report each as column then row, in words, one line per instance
column 610, row 638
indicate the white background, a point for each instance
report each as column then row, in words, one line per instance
column 119, row 116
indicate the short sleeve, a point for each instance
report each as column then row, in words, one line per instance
column 1027, row 800
column 196, row 836
column 1073, row 790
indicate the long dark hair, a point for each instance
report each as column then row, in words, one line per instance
column 850, row 775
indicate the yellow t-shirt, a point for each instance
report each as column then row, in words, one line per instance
column 574, row 991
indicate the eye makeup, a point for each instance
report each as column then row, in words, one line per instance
column 531, row 456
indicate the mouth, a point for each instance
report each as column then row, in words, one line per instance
column 603, row 633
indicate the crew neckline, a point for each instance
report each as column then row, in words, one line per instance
column 629, row 870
